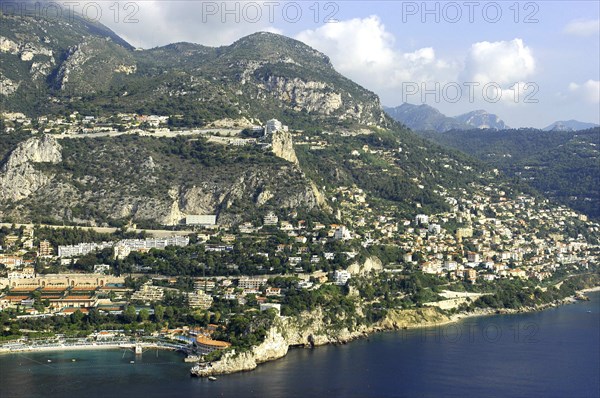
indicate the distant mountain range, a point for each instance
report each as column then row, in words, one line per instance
column 427, row 118
column 569, row 125
column 481, row 119
column 424, row 118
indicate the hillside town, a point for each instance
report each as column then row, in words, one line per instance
column 211, row 270
column 481, row 239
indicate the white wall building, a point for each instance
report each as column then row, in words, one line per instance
column 201, row 219
column 274, row 125
column 341, row 277
column 342, row 233
column 270, row 219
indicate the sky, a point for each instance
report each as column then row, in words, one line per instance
column 531, row 63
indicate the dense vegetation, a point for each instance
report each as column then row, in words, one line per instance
column 561, row 164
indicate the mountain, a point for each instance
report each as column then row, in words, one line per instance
column 52, row 66
column 562, row 165
column 481, row 119
column 424, row 118
column 339, row 135
column 569, row 125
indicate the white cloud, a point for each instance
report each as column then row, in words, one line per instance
column 208, row 23
column 364, row 50
column 583, row 27
column 590, row 90
column 501, row 62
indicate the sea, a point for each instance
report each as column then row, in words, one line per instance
column 552, row 353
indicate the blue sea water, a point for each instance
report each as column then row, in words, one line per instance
column 553, row 353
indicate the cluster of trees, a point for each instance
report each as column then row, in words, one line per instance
column 561, row 164
column 517, row 293
column 408, row 289
column 247, row 329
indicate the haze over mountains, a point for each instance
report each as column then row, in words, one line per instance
column 427, row 118
column 569, row 125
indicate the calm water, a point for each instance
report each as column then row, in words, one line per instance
column 554, row 353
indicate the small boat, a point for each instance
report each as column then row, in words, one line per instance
column 73, row 360
column 589, row 311
column 131, row 361
column 212, row 378
column 49, row 360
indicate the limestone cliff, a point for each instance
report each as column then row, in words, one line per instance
column 371, row 264
column 310, row 330
column 309, row 95
column 283, row 146
column 18, row 177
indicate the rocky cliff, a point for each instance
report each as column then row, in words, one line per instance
column 145, row 179
column 19, row 178
column 283, row 147
column 371, row 264
column 309, row 330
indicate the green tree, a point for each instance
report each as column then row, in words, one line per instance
column 129, row 314
column 144, row 315
column 159, row 313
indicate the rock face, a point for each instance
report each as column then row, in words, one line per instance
column 7, row 86
column 310, row 95
column 132, row 180
column 370, row 264
column 422, row 317
column 309, row 330
column 18, row 177
column 283, row 147
column 481, row 119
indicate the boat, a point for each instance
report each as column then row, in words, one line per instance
column 589, row 311
column 73, row 360
column 212, row 378
column 131, row 361
column 49, row 360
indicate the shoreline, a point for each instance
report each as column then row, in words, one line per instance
column 205, row 371
column 80, row 347
column 482, row 312
column 455, row 318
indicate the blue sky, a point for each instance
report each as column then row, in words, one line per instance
column 549, row 54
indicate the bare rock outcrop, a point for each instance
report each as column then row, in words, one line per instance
column 18, row 177
column 371, row 264
column 283, row 146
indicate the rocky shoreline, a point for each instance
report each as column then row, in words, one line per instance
column 309, row 330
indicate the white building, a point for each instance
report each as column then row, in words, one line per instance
column 421, row 219
column 251, row 282
column 473, row 257
column 434, row 229
column 149, row 293
column 274, row 125
column 270, row 219
column 199, row 299
column 201, row 219
column 342, row 233
column 82, row 249
column 341, row 277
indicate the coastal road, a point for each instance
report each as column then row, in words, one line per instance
column 160, row 133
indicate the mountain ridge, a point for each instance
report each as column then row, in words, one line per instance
column 425, row 118
column 83, row 68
